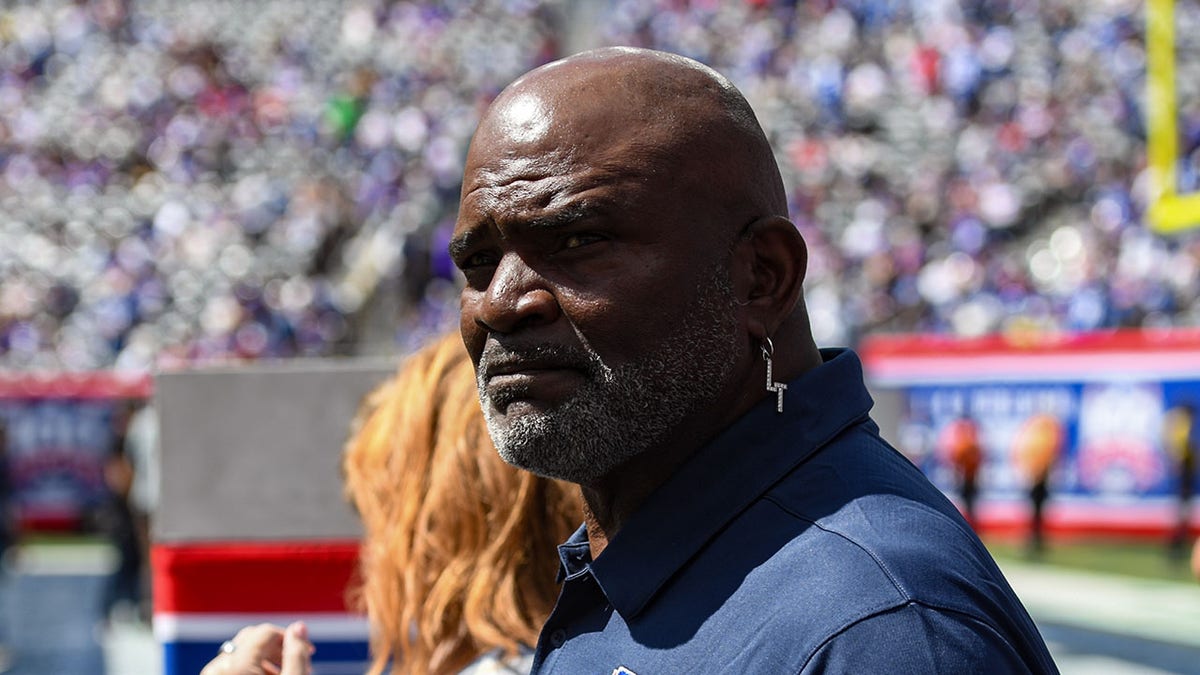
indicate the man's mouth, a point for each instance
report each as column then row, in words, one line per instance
column 539, row 386
column 511, row 366
column 539, row 378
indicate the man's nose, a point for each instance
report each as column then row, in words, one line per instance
column 516, row 298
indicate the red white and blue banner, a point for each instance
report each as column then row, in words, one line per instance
column 204, row 592
column 253, row 524
column 1111, row 394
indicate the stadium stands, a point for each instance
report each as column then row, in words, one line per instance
column 188, row 182
column 185, row 182
column 958, row 167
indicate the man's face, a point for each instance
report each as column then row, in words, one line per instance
column 598, row 315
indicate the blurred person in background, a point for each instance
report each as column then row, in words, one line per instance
column 125, row 586
column 1035, row 450
column 960, row 443
column 1179, row 428
column 457, row 561
column 8, row 539
column 142, row 453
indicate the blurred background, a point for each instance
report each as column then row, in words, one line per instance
column 187, row 185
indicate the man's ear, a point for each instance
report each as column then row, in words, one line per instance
column 770, row 261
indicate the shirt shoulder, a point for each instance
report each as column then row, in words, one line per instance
column 913, row 556
column 916, row 638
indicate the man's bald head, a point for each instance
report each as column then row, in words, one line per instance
column 656, row 115
column 623, row 239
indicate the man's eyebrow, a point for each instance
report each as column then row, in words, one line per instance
column 462, row 243
column 563, row 217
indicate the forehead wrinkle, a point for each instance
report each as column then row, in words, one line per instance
column 510, row 199
column 504, row 160
column 526, row 196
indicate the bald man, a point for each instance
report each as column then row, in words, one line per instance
column 633, row 305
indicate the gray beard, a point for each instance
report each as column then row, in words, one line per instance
column 619, row 413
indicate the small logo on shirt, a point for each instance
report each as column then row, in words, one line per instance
column 622, row 670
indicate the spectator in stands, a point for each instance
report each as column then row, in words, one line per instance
column 958, row 167
column 458, row 562
column 235, row 180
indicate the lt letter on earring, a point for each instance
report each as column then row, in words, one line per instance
column 768, row 350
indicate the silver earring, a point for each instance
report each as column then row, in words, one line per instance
column 768, row 350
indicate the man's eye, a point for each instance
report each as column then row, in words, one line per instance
column 475, row 260
column 578, row 240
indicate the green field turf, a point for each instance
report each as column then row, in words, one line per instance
column 1134, row 557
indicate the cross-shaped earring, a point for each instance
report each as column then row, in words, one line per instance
column 768, row 350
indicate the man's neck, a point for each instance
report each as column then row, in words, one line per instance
column 610, row 501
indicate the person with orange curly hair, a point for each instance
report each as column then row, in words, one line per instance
column 457, row 560
column 458, row 554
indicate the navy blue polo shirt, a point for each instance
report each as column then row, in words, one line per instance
column 793, row 543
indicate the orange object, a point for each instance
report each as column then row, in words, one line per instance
column 959, row 442
column 1037, row 445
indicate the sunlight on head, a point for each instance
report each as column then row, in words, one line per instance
column 525, row 118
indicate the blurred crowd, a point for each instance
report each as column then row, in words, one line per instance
column 184, row 182
column 187, row 182
column 958, row 167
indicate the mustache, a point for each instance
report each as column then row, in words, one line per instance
column 498, row 358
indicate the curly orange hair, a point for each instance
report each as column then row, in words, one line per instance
column 458, row 555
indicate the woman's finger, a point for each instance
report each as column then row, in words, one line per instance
column 258, row 643
column 297, row 650
column 250, row 652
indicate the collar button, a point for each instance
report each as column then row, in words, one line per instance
column 558, row 637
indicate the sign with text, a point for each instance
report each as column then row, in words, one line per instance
column 60, row 430
column 1105, row 403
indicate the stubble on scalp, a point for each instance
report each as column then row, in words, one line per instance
column 622, row 412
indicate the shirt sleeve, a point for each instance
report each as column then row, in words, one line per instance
column 918, row 639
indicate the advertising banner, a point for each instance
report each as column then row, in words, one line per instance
column 59, row 431
column 1108, row 418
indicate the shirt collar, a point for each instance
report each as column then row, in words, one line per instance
column 720, row 481
column 574, row 555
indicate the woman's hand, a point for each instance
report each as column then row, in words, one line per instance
column 265, row 649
